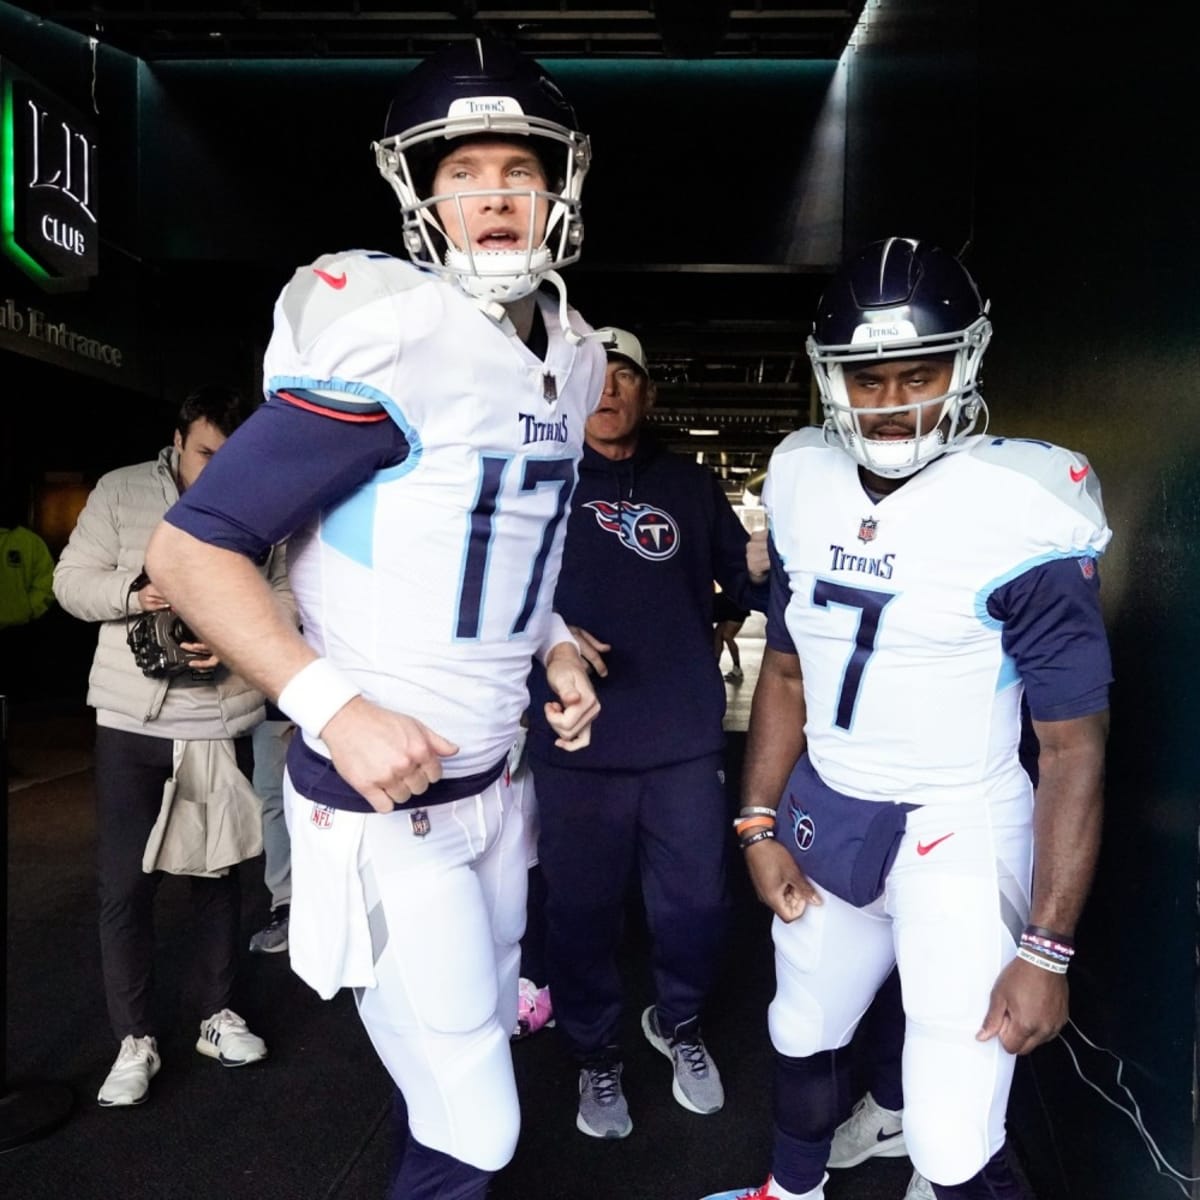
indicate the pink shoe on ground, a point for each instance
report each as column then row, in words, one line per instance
column 534, row 1010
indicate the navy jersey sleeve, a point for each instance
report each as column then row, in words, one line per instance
column 278, row 470
column 1054, row 633
column 778, row 637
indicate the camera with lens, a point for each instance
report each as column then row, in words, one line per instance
column 156, row 641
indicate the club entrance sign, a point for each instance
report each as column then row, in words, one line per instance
column 49, row 215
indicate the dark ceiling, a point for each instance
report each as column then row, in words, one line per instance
column 170, row 29
column 733, row 380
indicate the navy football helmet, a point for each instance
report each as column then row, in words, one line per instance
column 900, row 299
column 484, row 89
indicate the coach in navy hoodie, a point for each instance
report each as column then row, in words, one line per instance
column 649, row 532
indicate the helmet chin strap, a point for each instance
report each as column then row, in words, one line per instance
column 498, row 312
column 572, row 337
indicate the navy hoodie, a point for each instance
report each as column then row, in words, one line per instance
column 646, row 537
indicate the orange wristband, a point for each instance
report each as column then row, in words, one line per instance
column 745, row 824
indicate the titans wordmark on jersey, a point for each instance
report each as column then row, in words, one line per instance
column 431, row 586
column 909, row 692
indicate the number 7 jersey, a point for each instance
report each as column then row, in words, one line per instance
column 919, row 619
column 431, row 586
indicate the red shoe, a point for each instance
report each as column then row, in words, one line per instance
column 534, row 1009
column 761, row 1193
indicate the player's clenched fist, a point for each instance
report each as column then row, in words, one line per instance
column 385, row 756
column 1028, row 1006
column 758, row 557
column 780, row 884
column 571, row 716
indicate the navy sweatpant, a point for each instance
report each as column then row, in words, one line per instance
column 671, row 823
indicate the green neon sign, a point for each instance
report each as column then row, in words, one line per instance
column 8, row 205
column 48, row 223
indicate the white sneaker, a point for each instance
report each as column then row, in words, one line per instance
column 919, row 1188
column 129, row 1080
column 224, row 1036
column 870, row 1131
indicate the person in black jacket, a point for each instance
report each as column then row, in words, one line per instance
column 649, row 532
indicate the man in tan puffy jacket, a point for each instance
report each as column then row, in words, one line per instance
column 139, row 718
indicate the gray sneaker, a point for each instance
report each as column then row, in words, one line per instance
column 272, row 938
column 919, row 1188
column 870, row 1131
column 697, row 1082
column 603, row 1112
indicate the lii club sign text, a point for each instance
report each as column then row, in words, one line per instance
column 49, row 217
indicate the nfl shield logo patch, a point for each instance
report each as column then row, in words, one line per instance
column 866, row 529
column 322, row 816
column 420, row 822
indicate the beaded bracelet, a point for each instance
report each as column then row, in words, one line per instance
column 1055, row 949
column 1036, row 931
column 761, row 836
column 1036, row 960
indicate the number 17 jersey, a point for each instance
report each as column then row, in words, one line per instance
column 431, row 584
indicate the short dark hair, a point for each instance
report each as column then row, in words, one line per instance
column 221, row 405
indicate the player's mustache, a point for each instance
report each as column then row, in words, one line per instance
column 892, row 426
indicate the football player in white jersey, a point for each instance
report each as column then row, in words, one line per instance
column 924, row 578
column 418, row 448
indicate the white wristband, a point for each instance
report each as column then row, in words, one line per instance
column 1036, row 960
column 557, row 632
column 314, row 694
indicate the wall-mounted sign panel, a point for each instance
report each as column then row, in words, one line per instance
column 49, row 211
column 100, row 330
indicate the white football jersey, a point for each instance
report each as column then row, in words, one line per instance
column 909, row 692
column 431, row 587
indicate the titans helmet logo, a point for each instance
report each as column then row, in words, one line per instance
column 803, row 830
column 642, row 528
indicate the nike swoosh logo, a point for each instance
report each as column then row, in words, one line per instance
column 337, row 282
column 887, row 1137
column 1080, row 475
column 924, row 848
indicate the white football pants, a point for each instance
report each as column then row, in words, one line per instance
column 427, row 930
column 953, row 908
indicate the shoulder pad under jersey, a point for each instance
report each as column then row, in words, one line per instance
column 782, row 466
column 326, row 291
column 1065, row 474
column 335, row 333
column 811, row 437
